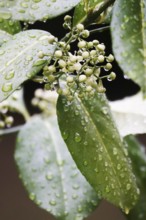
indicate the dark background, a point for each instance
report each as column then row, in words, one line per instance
column 14, row 203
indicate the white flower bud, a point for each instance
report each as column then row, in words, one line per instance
column 90, row 44
column 110, row 58
column 95, row 42
column 88, row 71
column 89, row 89
column 80, row 27
column 82, row 78
column 85, row 54
column 101, row 58
column 108, row 66
column 73, row 58
column 93, row 52
column 39, row 93
column 69, row 79
column 51, row 39
column 62, row 63
column 41, row 54
column 77, row 66
column 52, row 69
column 101, row 47
column 85, row 34
column 9, row 120
column 58, row 53
column 82, row 44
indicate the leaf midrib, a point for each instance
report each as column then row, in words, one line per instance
column 98, row 135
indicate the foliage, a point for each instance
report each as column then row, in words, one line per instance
column 90, row 158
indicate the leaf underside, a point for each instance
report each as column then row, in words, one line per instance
column 49, row 173
column 35, row 10
column 128, row 31
column 88, row 129
column 130, row 114
column 19, row 59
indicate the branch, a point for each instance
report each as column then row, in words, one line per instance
column 100, row 29
column 10, row 130
column 92, row 17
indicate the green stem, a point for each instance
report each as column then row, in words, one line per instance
column 92, row 17
column 101, row 29
column 10, row 130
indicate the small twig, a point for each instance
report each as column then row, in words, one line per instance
column 101, row 29
column 10, row 130
column 92, row 17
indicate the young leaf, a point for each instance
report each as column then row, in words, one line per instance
column 49, row 173
column 130, row 114
column 10, row 26
column 88, row 129
column 83, row 9
column 4, row 37
column 138, row 157
column 36, row 10
column 129, row 41
column 19, row 59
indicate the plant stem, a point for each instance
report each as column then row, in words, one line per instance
column 100, row 29
column 92, row 17
column 10, row 130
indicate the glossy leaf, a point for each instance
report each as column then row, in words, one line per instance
column 10, row 26
column 130, row 114
column 138, row 157
column 88, row 129
column 129, row 41
column 19, row 59
column 34, row 10
column 4, row 37
column 83, row 9
column 49, row 173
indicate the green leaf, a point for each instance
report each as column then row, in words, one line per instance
column 34, row 10
column 88, row 129
column 10, row 26
column 138, row 157
column 4, row 37
column 49, row 173
column 19, row 59
column 130, row 114
column 83, row 9
column 129, row 42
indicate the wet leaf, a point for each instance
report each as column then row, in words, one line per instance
column 10, row 26
column 92, row 138
column 49, row 173
column 19, row 59
column 138, row 157
column 83, row 9
column 34, row 10
column 4, row 37
column 130, row 114
column 129, row 41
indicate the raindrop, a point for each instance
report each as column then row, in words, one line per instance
column 85, row 163
column 128, row 186
column 52, row 202
column 49, row 176
column 77, row 137
column 7, row 87
column 32, row 196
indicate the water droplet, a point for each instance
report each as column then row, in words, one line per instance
column 49, row 176
column 126, row 210
column 9, row 75
column 74, row 196
column 115, row 151
column 65, row 135
column 85, row 163
column 96, row 170
column 52, row 202
column 118, row 166
column 80, row 209
column 32, row 196
column 77, row 137
column 7, row 87
column 128, row 186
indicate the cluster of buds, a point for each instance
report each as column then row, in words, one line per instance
column 81, row 70
column 5, row 120
column 44, row 100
